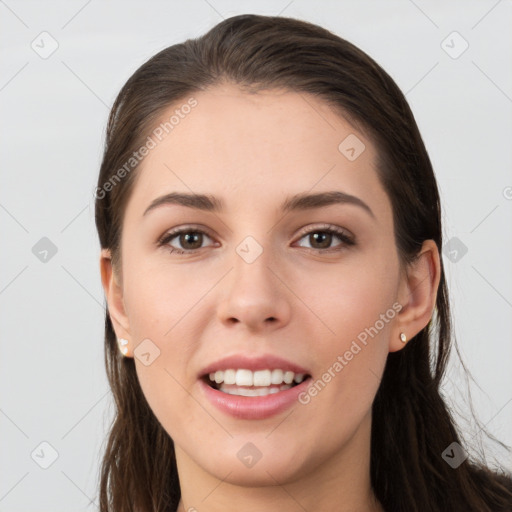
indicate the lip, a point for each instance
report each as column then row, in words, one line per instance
column 257, row 407
column 263, row 362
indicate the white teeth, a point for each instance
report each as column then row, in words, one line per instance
column 244, row 378
column 241, row 391
column 277, row 377
column 288, row 377
column 229, row 377
column 259, row 378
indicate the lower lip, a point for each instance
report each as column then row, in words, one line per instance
column 253, row 407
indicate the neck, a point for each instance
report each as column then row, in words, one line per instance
column 338, row 483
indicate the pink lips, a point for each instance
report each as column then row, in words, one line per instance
column 257, row 407
column 254, row 407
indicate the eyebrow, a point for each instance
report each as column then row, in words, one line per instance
column 302, row 201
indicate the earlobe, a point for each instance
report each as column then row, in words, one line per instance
column 114, row 294
column 418, row 293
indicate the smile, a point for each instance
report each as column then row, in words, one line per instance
column 244, row 382
column 253, row 387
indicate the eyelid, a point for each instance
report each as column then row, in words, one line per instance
column 172, row 233
column 326, row 227
column 346, row 237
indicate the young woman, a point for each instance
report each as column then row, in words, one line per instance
column 278, row 319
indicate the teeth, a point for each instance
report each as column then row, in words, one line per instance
column 263, row 378
column 230, row 377
column 244, row 378
column 241, row 391
column 277, row 377
column 288, row 377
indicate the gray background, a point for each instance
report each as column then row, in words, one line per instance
column 54, row 113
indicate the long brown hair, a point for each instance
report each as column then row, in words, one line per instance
column 412, row 425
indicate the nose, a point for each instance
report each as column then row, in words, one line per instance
column 256, row 296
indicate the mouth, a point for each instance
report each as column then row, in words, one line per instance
column 244, row 382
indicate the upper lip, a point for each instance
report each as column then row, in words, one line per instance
column 263, row 362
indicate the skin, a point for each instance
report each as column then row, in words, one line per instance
column 253, row 151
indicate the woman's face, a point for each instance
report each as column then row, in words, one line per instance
column 258, row 282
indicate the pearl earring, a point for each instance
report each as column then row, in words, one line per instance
column 403, row 337
column 122, row 345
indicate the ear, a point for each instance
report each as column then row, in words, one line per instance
column 417, row 295
column 114, row 294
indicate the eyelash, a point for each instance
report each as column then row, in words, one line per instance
column 340, row 233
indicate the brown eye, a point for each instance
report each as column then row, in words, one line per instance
column 191, row 239
column 188, row 240
column 322, row 239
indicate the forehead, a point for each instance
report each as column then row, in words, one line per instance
column 255, row 147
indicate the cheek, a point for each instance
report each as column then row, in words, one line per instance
column 355, row 306
column 160, row 297
column 353, row 296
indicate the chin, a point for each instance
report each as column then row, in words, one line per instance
column 242, row 463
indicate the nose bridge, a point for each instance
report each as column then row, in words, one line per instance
column 255, row 296
column 253, row 279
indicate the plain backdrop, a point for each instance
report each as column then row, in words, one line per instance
column 61, row 66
